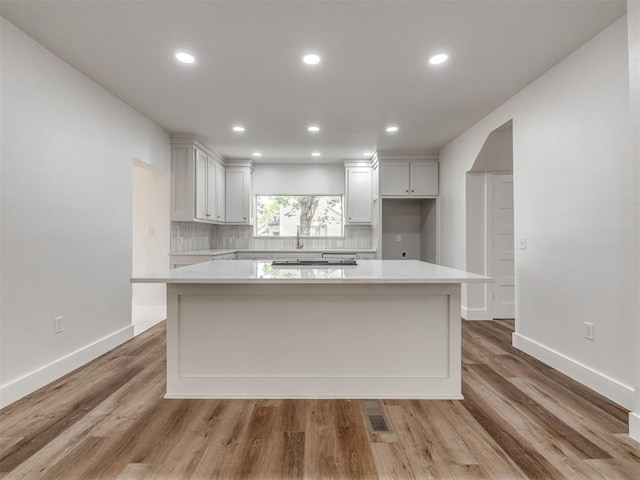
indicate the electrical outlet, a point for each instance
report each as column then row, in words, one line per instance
column 398, row 238
column 523, row 243
column 339, row 243
column 589, row 331
column 57, row 324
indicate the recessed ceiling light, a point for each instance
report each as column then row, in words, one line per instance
column 392, row 129
column 367, row 154
column 257, row 154
column 311, row 59
column 313, row 128
column 315, row 154
column 238, row 128
column 438, row 58
column 185, row 57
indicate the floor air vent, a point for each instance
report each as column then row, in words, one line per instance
column 375, row 416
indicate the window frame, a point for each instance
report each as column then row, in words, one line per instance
column 341, row 196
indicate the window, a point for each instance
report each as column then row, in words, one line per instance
column 306, row 215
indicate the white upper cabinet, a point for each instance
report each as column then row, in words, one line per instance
column 394, row 178
column 409, row 178
column 220, row 193
column 424, row 178
column 212, row 186
column 359, row 195
column 197, row 177
column 201, row 185
column 238, row 195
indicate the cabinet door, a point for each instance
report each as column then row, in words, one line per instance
column 394, row 178
column 211, row 190
column 375, row 178
column 201, row 185
column 238, row 195
column 253, row 256
column 359, row 195
column 424, row 178
column 220, row 193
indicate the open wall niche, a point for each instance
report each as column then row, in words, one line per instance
column 409, row 229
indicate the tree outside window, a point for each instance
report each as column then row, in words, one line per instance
column 308, row 215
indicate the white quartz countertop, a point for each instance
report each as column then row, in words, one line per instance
column 219, row 251
column 367, row 271
column 210, row 251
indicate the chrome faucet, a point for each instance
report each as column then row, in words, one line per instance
column 298, row 243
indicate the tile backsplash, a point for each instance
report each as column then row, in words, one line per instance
column 187, row 236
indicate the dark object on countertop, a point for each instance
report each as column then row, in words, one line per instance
column 312, row 263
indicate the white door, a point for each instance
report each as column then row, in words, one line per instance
column 503, row 246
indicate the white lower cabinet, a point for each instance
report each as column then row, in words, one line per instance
column 296, row 256
column 253, row 256
column 339, row 256
column 176, row 261
column 226, row 256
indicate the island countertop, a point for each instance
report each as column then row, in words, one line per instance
column 261, row 272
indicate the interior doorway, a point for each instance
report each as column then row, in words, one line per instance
column 500, row 245
column 490, row 242
column 150, row 242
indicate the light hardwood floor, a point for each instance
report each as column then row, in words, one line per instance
column 520, row 419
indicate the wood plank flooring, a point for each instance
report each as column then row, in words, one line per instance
column 520, row 419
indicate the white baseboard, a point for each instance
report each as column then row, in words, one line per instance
column 612, row 389
column 634, row 426
column 474, row 313
column 31, row 382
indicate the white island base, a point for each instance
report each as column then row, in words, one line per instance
column 313, row 340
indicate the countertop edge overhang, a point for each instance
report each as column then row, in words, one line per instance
column 261, row 272
column 312, row 281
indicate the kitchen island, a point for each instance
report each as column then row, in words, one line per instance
column 381, row 329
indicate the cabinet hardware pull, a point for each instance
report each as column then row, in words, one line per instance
column 407, row 191
column 411, row 190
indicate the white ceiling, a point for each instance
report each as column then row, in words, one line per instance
column 373, row 71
